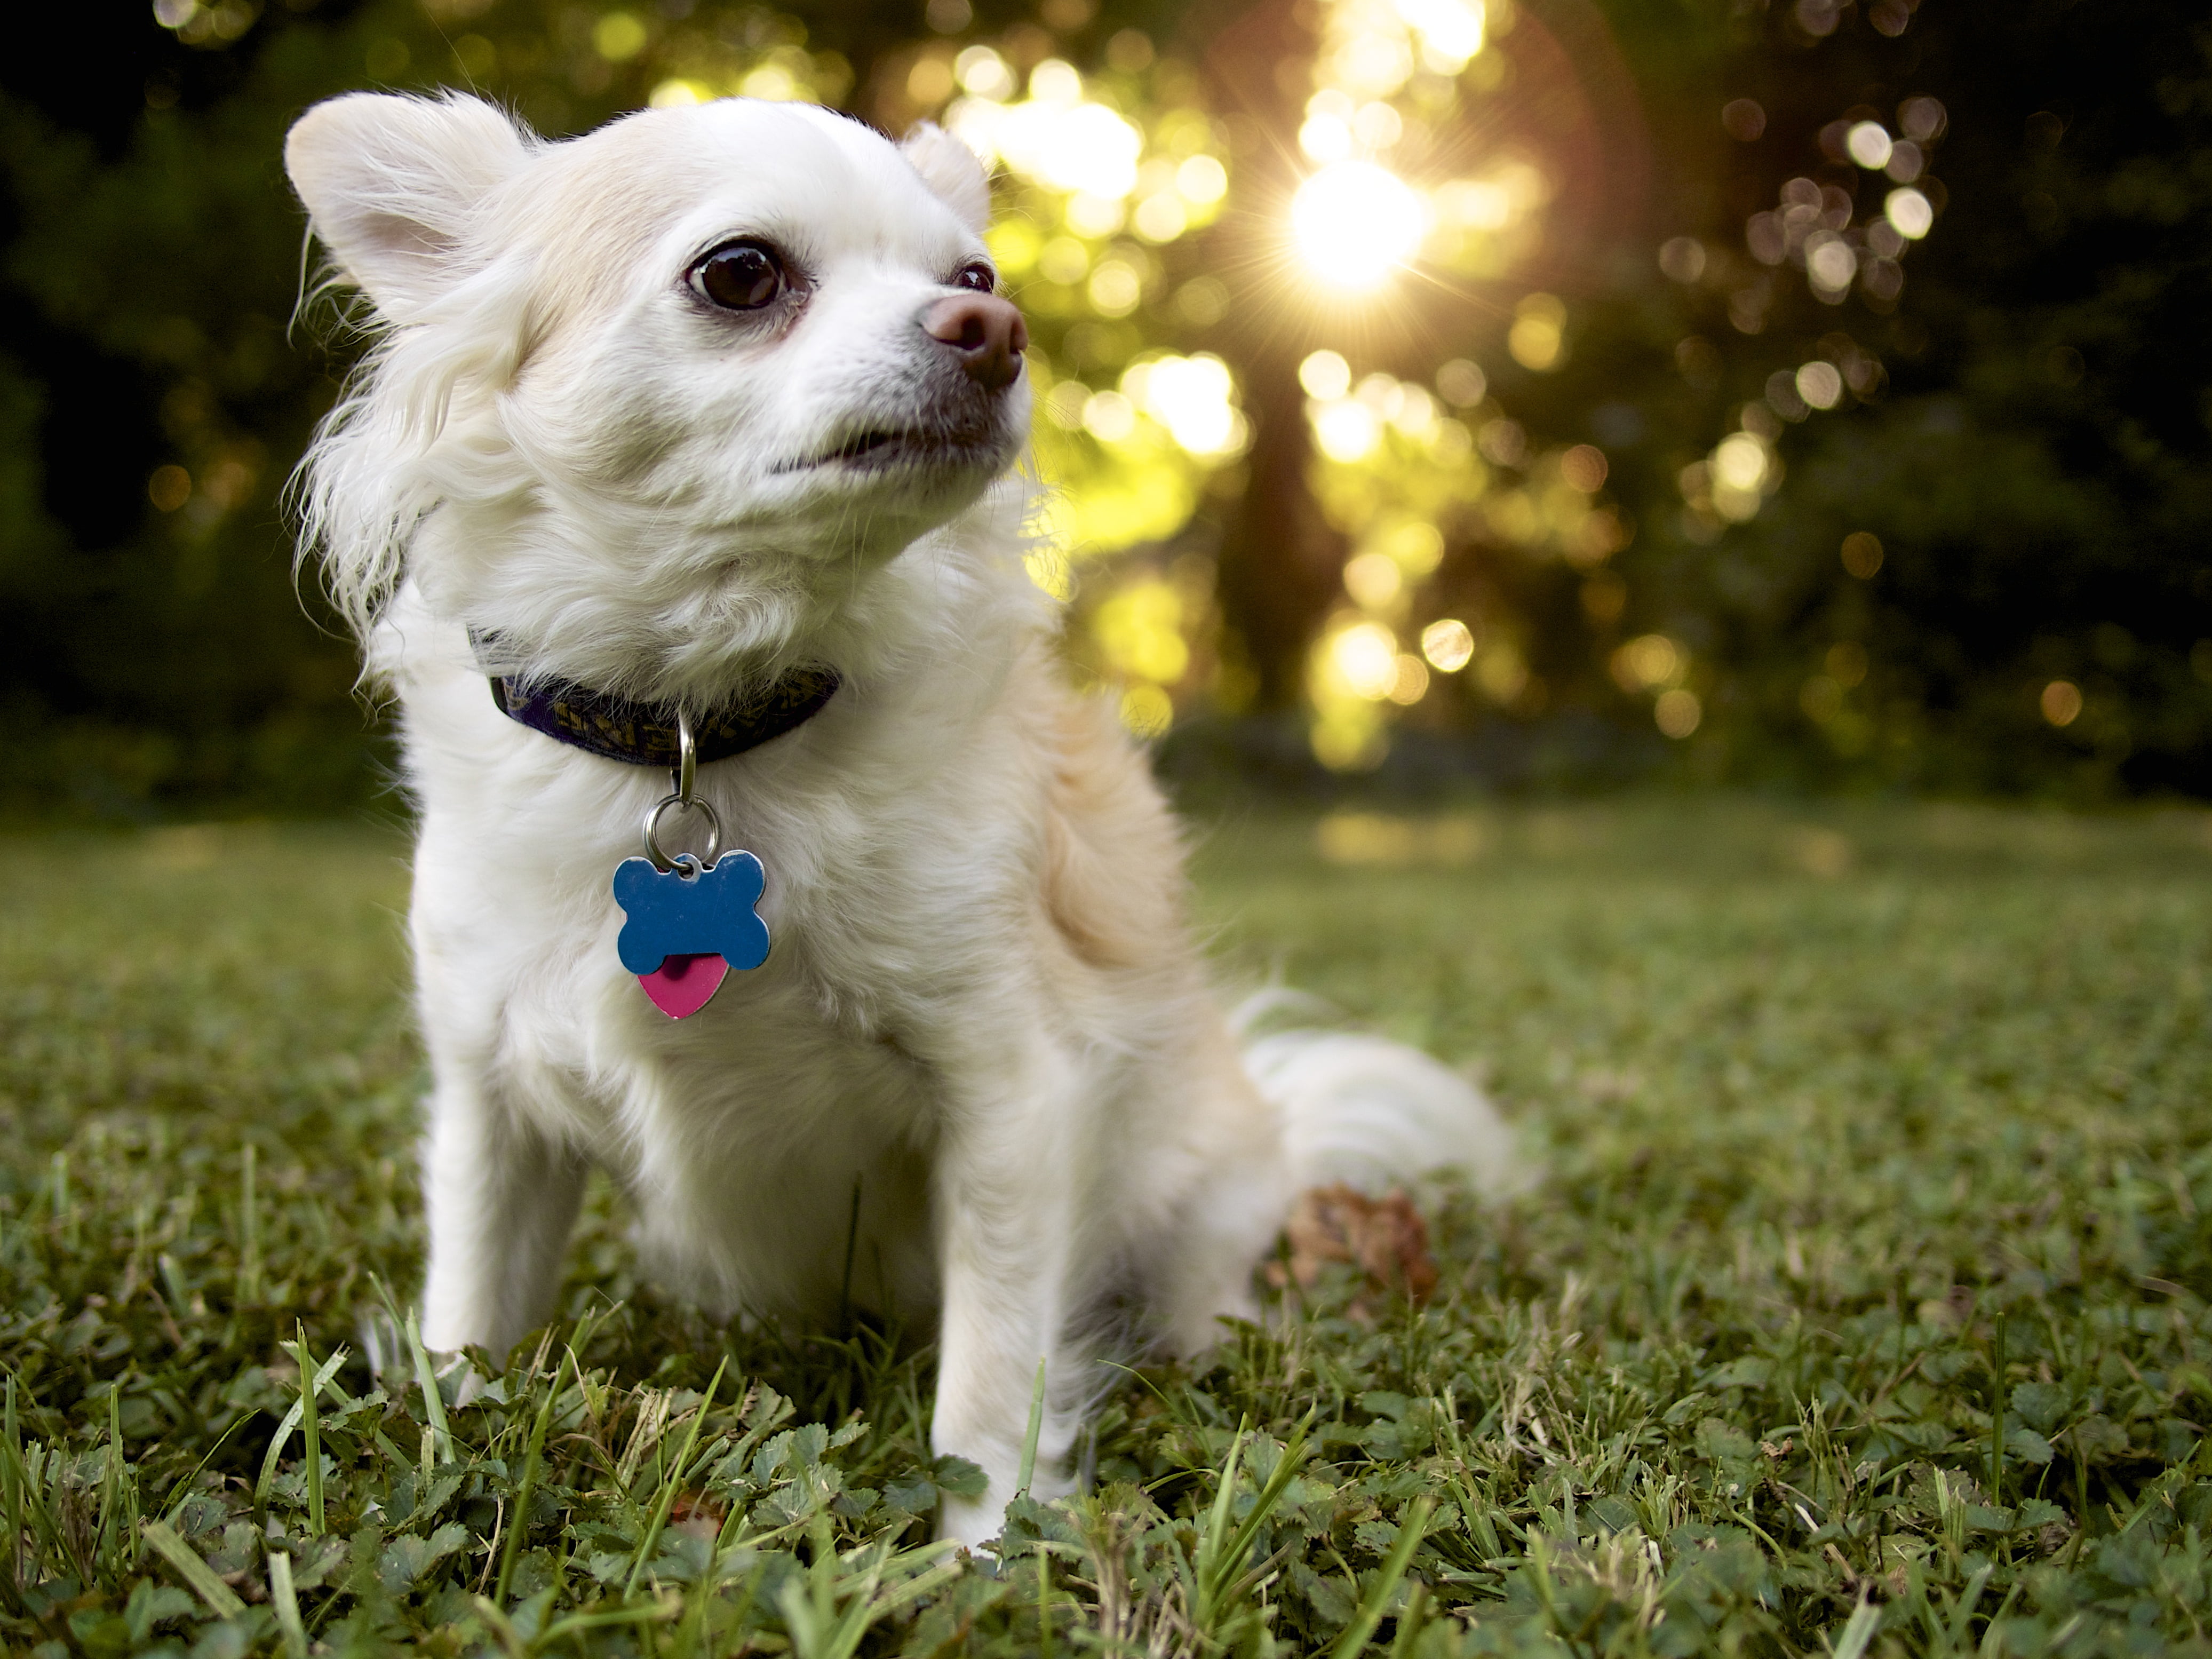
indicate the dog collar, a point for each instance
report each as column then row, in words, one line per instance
column 645, row 734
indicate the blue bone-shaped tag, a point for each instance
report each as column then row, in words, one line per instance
column 673, row 914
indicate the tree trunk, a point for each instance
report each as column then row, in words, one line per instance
column 1279, row 558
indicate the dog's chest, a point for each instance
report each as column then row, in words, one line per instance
column 888, row 942
column 898, row 843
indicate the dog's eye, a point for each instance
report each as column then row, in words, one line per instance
column 743, row 276
column 981, row 277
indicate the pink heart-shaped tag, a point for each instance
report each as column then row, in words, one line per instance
column 682, row 985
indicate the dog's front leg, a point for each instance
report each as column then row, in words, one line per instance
column 1007, row 1235
column 502, row 1198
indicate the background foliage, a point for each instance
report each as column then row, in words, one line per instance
column 1598, row 461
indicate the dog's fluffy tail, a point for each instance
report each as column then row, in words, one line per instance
column 1371, row 1113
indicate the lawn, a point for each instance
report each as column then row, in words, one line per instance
column 1860, row 1306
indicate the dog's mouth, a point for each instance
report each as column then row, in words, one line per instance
column 867, row 443
column 893, row 449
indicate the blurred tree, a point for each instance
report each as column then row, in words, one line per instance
column 1987, row 566
column 1812, row 389
column 155, row 645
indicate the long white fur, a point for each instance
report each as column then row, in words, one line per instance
column 982, row 1007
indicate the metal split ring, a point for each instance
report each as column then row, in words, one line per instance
column 660, row 860
column 682, row 775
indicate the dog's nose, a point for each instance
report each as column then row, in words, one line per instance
column 985, row 333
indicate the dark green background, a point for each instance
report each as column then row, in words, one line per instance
column 2036, row 468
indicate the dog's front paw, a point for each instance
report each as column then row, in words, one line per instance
column 978, row 1521
column 972, row 1522
column 473, row 1382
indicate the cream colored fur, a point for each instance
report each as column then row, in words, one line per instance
column 984, row 1007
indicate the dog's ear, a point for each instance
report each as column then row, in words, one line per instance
column 951, row 169
column 392, row 186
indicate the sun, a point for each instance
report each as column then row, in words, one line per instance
column 1355, row 222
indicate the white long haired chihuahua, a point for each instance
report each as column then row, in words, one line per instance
column 687, row 446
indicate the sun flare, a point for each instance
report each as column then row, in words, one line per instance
column 1355, row 222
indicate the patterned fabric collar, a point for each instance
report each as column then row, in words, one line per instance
column 644, row 734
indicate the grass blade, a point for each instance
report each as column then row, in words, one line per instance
column 1411, row 1531
column 1036, row 1426
column 1858, row 1631
column 675, row 1479
column 928, row 1579
column 575, row 1624
column 1217, row 1519
column 1213, row 1542
column 249, row 1230
column 528, row 1486
column 20, row 1478
column 11, row 1481
column 1998, row 1416
column 433, row 1403
column 114, row 1530
column 199, row 1576
column 286, row 1604
column 185, row 1487
column 311, row 1425
column 324, row 1377
column 1278, row 1482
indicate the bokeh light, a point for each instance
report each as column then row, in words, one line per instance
column 1923, row 118
column 980, row 70
column 1141, row 629
column 1409, row 680
column 169, row 488
column 1345, row 429
column 1908, row 213
column 1109, row 417
column 1537, row 338
column 1820, row 385
column 1677, row 713
column 1682, row 258
column 1067, row 144
column 1374, row 580
column 1743, row 120
column 1649, row 662
column 1449, row 643
column 1462, row 383
column 1366, row 655
column 1862, row 553
column 1830, row 263
column 1450, row 32
column 1325, row 374
column 1584, row 468
column 1193, row 397
column 619, row 35
column 1739, row 462
column 1869, row 144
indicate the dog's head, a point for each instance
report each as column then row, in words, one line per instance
column 648, row 400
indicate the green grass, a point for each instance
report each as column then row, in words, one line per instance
column 1861, row 1306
